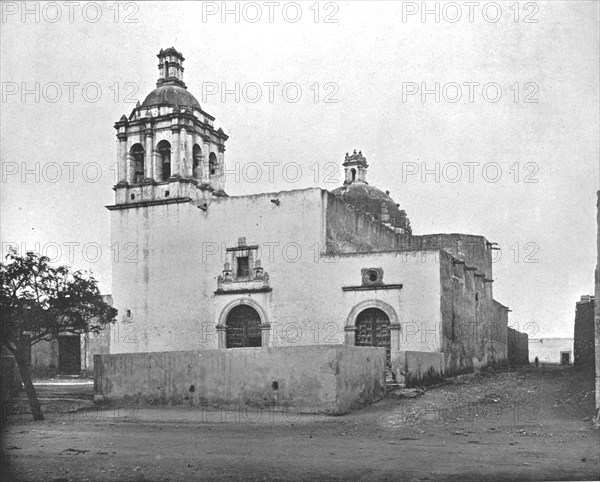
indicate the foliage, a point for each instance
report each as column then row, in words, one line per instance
column 39, row 301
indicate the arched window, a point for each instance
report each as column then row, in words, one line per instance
column 243, row 327
column 137, row 158
column 164, row 154
column 196, row 161
column 213, row 164
column 353, row 172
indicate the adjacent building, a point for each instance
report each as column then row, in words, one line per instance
column 69, row 353
column 597, row 312
column 518, row 348
column 584, row 339
column 551, row 351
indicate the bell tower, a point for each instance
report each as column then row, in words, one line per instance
column 168, row 148
column 355, row 168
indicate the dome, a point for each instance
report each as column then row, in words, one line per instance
column 171, row 94
column 370, row 200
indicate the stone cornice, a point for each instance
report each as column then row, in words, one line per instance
column 243, row 248
column 374, row 287
column 195, row 123
column 143, row 204
column 264, row 289
column 154, row 182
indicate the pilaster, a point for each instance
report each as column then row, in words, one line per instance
column 221, row 336
column 122, row 158
column 148, row 164
column 205, row 168
column 350, row 335
column 265, row 334
column 183, row 153
column 175, row 152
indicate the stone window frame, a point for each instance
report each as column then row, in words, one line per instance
column 235, row 253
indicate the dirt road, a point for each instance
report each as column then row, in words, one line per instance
column 522, row 425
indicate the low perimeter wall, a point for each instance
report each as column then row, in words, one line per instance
column 330, row 379
column 421, row 367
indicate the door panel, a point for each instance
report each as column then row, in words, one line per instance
column 243, row 328
column 373, row 329
column 69, row 355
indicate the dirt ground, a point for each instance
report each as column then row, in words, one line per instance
column 526, row 424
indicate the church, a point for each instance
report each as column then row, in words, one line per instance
column 297, row 268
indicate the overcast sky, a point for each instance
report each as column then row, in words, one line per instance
column 511, row 142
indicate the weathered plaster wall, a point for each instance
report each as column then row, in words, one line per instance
column 474, row 250
column 326, row 379
column 518, row 348
column 584, row 339
column 359, row 375
column 169, row 289
column 597, row 306
column 413, row 310
column 44, row 358
column 422, row 367
column 548, row 350
column 311, row 245
column 474, row 327
column 306, row 319
column 45, row 354
column 91, row 345
column 415, row 306
column 349, row 230
column 499, row 332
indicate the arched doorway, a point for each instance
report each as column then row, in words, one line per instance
column 243, row 327
column 373, row 329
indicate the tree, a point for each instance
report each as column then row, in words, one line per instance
column 38, row 302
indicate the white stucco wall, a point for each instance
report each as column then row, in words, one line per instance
column 169, row 284
column 416, row 304
column 548, row 350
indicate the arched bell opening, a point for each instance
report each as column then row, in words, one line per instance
column 137, row 158
column 196, row 162
column 164, row 154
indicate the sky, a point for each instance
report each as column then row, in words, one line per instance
column 478, row 119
